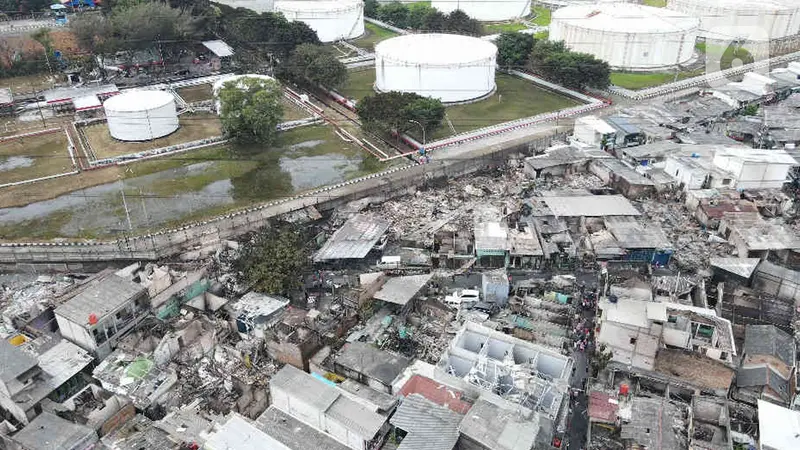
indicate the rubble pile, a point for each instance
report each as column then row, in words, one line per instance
column 693, row 245
column 23, row 298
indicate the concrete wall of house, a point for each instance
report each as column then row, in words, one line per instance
column 12, row 408
column 296, row 354
column 675, row 337
column 297, row 408
column 76, row 334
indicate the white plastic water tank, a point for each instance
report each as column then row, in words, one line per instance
column 332, row 20
column 449, row 67
column 486, row 10
column 141, row 115
column 627, row 36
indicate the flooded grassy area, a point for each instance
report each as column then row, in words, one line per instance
column 193, row 126
column 190, row 186
column 34, row 157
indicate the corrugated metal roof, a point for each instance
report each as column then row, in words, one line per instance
column 354, row 239
column 429, row 426
column 399, row 290
column 603, row 407
column 355, row 417
column 219, row 48
column 591, row 206
column 436, row 392
column 102, row 298
column 743, row 267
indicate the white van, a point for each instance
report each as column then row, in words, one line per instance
column 462, row 297
column 389, row 262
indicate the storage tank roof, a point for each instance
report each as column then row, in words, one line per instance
column 138, row 101
column 317, row 6
column 625, row 17
column 436, row 49
column 741, row 5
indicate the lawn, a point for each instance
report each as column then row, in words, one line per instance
column 542, row 16
column 34, row 157
column 515, row 98
column 192, row 127
column 644, row 80
column 496, row 28
column 197, row 93
column 359, row 84
column 292, row 111
column 372, row 35
column 656, row 3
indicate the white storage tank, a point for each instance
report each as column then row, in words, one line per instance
column 259, row 6
column 486, row 10
column 627, row 36
column 141, row 115
column 332, row 20
column 760, row 20
column 449, row 67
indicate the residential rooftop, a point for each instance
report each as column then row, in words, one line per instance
column 501, row 426
column 372, row 362
column 102, row 297
column 354, row 239
column 429, row 426
column 293, row 433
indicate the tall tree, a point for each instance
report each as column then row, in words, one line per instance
column 274, row 260
column 391, row 111
column 394, row 13
column 318, row 65
column 143, row 25
column 459, row 22
column 513, row 49
column 251, row 109
column 371, row 8
column 417, row 15
column 435, row 21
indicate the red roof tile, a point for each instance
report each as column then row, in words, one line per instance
column 601, row 407
column 436, row 392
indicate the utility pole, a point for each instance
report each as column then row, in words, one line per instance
column 127, row 213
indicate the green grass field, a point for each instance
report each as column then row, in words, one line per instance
column 373, row 34
column 359, row 84
column 515, row 98
column 542, row 16
column 644, row 80
column 496, row 28
column 656, row 3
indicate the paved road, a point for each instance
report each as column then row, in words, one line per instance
column 578, row 419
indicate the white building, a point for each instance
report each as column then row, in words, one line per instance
column 635, row 329
column 593, row 131
column 325, row 408
column 101, row 313
column 778, row 427
column 755, row 168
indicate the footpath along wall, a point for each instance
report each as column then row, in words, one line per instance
column 65, row 256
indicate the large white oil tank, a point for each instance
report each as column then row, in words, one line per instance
column 449, row 67
column 627, row 36
column 141, row 115
column 486, row 10
column 259, row 6
column 332, row 20
column 760, row 20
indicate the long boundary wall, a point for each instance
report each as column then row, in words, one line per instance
column 380, row 187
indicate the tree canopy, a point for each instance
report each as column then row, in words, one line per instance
column 318, row 65
column 251, row 109
column 421, row 16
column 392, row 111
column 513, row 49
column 274, row 260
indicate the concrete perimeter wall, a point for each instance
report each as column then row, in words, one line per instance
column 77, row 256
